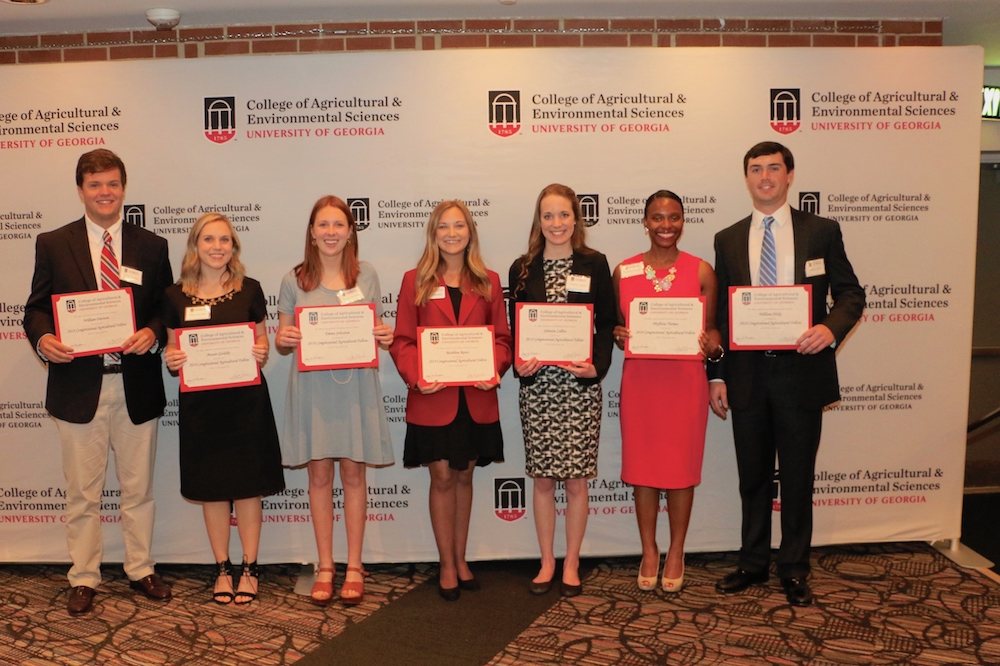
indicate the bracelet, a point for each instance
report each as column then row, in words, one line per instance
column 719, row 357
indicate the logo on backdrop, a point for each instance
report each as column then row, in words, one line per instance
column 220, row 118
column 786, row 112
column 135, row 214
column 589, row 208
column 361, row 211
column 809, row 202
column 509, row 498
column 505, row 112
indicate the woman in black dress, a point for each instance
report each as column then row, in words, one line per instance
column 228, row 441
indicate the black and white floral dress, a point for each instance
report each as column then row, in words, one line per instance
column 560, row 417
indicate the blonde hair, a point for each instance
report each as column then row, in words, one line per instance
column 191, row 265
column 475, row 278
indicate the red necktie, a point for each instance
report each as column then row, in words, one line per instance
column 109, row 277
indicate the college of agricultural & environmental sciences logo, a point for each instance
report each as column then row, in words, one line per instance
column 509, row 498
column 220, row 119
column 590, row 208
column 809, row 202
column 361, row 210
column 135, row 214
column 786, row 110
column 505, row 112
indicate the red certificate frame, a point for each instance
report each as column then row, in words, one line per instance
column 590, row 331
column 733, row 346
column 185, row 387
column 302, row 367
column 672, row 357
column 420, row 355
column 56, row 298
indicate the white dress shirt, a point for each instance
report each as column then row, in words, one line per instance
column 784, row 244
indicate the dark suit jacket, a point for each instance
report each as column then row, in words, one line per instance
column 438, row 409
column 63, row 265
column 601, row 294
column 815, row 238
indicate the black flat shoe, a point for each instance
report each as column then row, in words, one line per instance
column 539, row 589
column 740, row 580
column 567, row 590
column 797, row 591
column 471, row 585
column 450, row 593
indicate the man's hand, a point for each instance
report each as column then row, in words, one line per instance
column 815, row 340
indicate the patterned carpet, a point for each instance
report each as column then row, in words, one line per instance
column 876, row 604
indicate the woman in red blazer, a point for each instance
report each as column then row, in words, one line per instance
column 451, row 429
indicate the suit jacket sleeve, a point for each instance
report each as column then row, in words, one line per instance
column 605, row 317
column 718, row 370
column 162, row 278
column 38, row 319
column 848, row 295
column 502, row 340
column 404, row 344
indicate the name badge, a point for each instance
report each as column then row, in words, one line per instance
column 198, row 313
column 347, row 296
column 127, row 274
column 578, row 283
column 439, row 293
column 815, row 267
column 631, row 270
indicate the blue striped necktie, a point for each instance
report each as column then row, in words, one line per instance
column 768, row 274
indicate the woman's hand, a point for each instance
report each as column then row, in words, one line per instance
column 620, row 334
column 488, row 386
column 288, row 337
column 528, row 368
column 709, row 349
column 383, row 335
column 580, row 370
column 260, row 350
column 428, row 389
column 174, row 358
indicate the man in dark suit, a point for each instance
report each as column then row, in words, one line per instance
column 778, row 396
column 109, row 402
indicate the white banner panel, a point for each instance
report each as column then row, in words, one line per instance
column 885, row 140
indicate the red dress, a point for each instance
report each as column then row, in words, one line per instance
column 664, row 403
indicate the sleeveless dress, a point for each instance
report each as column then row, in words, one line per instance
column 560, row 417
column 333, row 413
column 228, row 440
column 664, row 402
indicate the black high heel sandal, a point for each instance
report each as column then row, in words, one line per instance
column 243, row 598
column 223, row 597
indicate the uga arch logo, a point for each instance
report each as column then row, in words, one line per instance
column 509, row 502
column 505, row 112
column 220, row 119
column 786, row 110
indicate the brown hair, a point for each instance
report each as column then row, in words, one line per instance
column 97, row 161
column 536, row 241
column 309, row 273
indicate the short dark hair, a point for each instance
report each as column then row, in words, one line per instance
column 97, row 161
column 769, row 148
column 662, row 194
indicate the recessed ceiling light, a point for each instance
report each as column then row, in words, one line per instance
column 26, row 2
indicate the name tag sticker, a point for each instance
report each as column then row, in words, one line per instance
column 198, row 313
column 815, row 267
column 128, row 274
column 438, row 293
column 578, row 283
column 347, row 296
column 631, row 270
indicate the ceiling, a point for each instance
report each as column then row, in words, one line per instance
column 966, row 21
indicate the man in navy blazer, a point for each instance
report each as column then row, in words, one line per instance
column 777, row 397
column 109, row 402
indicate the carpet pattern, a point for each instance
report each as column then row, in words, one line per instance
column 126, row 628
column 875, row 604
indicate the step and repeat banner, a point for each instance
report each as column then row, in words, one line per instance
column 886, row 141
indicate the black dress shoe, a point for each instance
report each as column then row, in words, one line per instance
column 740, row 580
column 81, row 600
column 152, row 586
column 539, row 589
column 450, row 593
column 471, row 585
column 797, row 591
column 567, row 590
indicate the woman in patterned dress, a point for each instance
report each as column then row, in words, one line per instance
column 665, row 452
column 561, row 404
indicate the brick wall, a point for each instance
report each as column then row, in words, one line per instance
column 467, row 33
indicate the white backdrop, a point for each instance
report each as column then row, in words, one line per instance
column 887, row 142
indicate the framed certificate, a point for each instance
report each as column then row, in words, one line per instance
column 336, row 336
column 94, row 322
column 218, row 357
column 554, row 333
column 456, row 355
column 769, row 317
column 664, row 327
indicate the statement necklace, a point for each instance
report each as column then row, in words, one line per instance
column 664, row 283
column 197, row 300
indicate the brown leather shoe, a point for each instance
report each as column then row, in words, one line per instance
column 152, row 586
column 81, row 600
